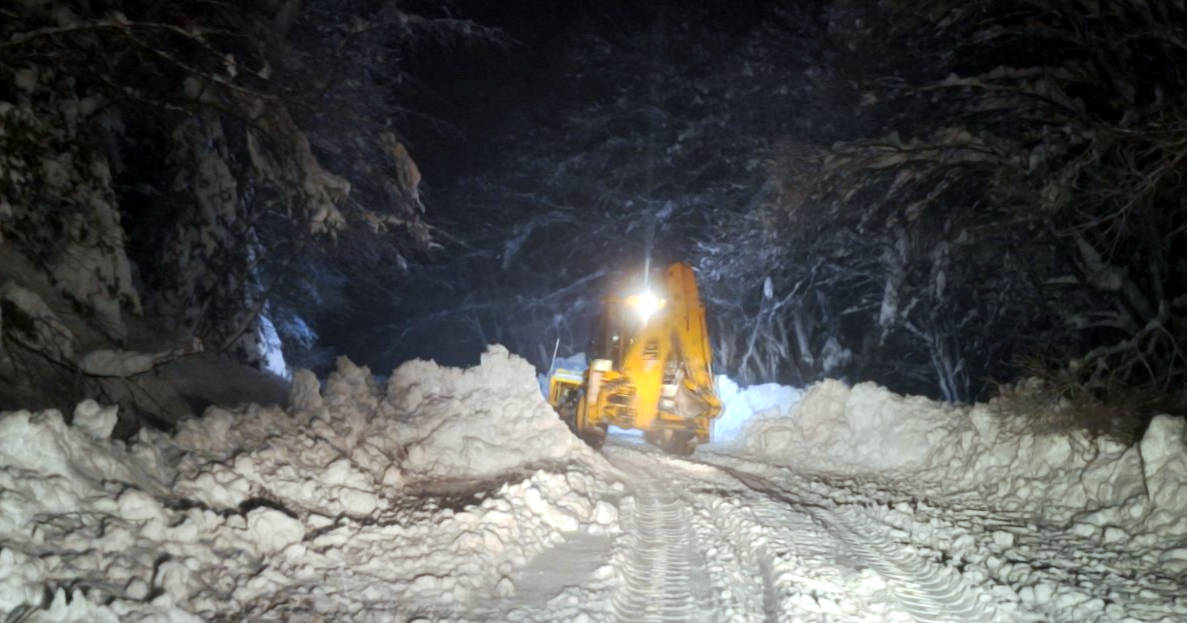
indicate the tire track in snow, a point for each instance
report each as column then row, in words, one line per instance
column 929, row 592
column 818, row 571
column 768, row 561
column 663, row 580
column 787, row 566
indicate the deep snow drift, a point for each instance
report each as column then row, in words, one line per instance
column 1059, row 526
column 868, row 429
column 359, row 503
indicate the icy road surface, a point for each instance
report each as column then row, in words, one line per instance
column 458, row 495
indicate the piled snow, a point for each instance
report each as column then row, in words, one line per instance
column 865, row 428
column 477, row 422
column 1164, row 476
column 1099, row 481
column 360, row 503
column 1052, row 526
column 739, row 405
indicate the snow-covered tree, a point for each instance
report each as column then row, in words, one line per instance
column 1023, row 181
column 186, row 160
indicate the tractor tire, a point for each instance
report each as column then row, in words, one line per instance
column 680, row 444
column 568, row 410
column 673, row 442
column 593, row 437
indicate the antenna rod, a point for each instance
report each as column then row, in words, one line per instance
column 555, row 347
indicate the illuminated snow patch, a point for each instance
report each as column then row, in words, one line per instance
column 740, row 404
column 272, row 349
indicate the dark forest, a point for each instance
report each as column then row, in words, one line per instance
column 958, row 199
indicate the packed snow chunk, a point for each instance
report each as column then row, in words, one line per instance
column 1003, row 539
column 20, row 576
column 350, row 486
column 605, row 514
column 42, row 443
column 305, row 392
column 33, row 441
column 272, row 530
column 351, row 390
column 1164, row 461
column 548, row 513
column 477, row 422
column 739, row 405
column 139, row 506
column 212, row 432
column 96, row 421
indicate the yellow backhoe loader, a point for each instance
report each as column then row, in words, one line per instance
column 649, row 369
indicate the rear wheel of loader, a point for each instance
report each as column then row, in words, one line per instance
column 674, row 442
column 568, row 409
column 680, row 443
column 594, row 437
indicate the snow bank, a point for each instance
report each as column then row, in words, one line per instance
column 359, row 503
column 430, row 424
column 476, row 422
column 865, row 427
column 868, row 429
column 739, row 405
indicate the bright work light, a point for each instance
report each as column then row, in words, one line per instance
column 646, row 303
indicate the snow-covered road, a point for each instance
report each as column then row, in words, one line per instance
column 777, row 552
column 663, row 578
column 722, row 537
column 458, row 495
